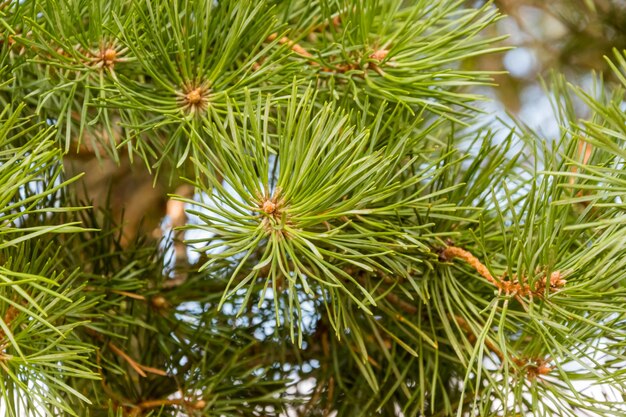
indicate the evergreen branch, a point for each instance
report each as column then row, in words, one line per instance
column 330, row 215
column 394, row 52
column 326, row 212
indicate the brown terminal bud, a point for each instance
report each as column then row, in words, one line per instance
column 200, row 404
column 379, row 55
column 194, row 96
column 109, row 55
column 159, row 302
column 269, row 207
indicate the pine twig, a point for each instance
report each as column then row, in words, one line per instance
column 139, row 368
column 178, row 218
column 516, row 287
column 532, row 367
column 391, row 297
column 8, row 318
column 295, row 47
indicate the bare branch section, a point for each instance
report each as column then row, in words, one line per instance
column 452, row 252
column 178, row 218
column 389, row 296
column 529, row 367
column 377, row 56
column 517, row 287
column 297, row 48
column 8, row 318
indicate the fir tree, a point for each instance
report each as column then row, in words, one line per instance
column 344, row 234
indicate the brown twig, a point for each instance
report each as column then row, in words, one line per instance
column 329, row 396
column 472, row 337
column 378, row 56
column 8, row 318
column 139, row 368
column 314, row 398
column 295, row 47
column 117, row 398
column 175, row 210
column 451, row 252
column 584, row 151
column 149, row 404
column 129, row 294
column 517, row 287
column 391, row 297
column 334, row 22
column 401, row 304
column 159, row 403
column 128, row 359
column 530, row 367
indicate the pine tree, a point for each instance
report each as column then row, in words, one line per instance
column 345, row 235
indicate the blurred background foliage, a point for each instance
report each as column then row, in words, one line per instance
column 570, row 37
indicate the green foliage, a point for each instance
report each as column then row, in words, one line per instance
column 172, row 347
column 41, row 304
column 399, row 52
column 356, row 242
column 315, row 210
